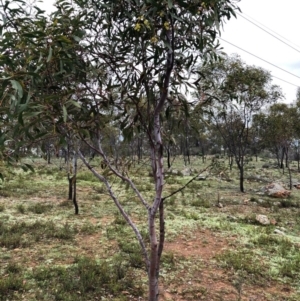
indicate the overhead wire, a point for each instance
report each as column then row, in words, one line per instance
column 276, row 33
column 259, row 58
column 298, row 86
column 269, row 33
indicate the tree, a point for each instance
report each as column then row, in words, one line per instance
column 115, row 63
column 238, row 92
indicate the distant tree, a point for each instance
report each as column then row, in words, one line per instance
column 237, row 92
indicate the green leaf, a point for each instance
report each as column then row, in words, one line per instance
column 17, row 86
column 65, row 113
column 50, row 54
column 170, row 3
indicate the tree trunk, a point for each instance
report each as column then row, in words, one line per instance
column 290, row 177
column 48, row 156
column 153, row 268
column 240, row 165
column 168, row 156
column 70, row 179
column 282, row 158
column 75, row 196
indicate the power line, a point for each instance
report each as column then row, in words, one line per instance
column 285, row 81
column 260, row 58
column 269, row 29
column 268, row 33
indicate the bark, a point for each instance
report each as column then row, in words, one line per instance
column 70, row 180
column 74, row 184
column 168, row 157
column 75, row 197
column 241, row 169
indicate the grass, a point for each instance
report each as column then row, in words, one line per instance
column 48, row 253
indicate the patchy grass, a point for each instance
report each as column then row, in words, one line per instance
column 215, row 249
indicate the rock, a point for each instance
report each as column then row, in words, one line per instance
column 220, row 205
column 231, row 217
column 201, row 178
column 260, row 201
column 174, row 172
column 262, row 219
column 186, row 172
column 276, row 190
column 297, row 186
column 277, row 231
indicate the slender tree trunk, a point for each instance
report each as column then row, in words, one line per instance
column 74, row 184
column 168, row 156
column 242, row 179
column 282, row 158
column 48, row 156
column 290, row 177
column 153, row 268
column 70, row 180
column 240, row 165
column 75, row 196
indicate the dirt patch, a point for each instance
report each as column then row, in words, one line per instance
column 209, row 281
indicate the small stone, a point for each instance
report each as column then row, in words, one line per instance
column 231, row 217
column 262, row 219
column 277, row 231
column 219, row 205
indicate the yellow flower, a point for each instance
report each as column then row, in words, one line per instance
column 154, row 40
column 146, row 22
column 161, row 14
column 137, row 27
column 167, row 25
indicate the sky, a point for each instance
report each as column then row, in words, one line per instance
column 281, row 17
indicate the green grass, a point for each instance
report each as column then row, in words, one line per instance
column 66, row 257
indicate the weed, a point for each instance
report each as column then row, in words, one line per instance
column 65, row 232
column 168, row 260
column 66, row 203
column 13, row 268
column 243, row 261
column 23, row 234
column 290, row 268
column 39, row 208
column 21, row 208
column 287, row 203
column 86, row 176
column 9, row 284
column 88, row 228
column 133, row 250
column 85, row 280
column 11, row 241
column 119, row 220
column 201, row 203
column 280, row 245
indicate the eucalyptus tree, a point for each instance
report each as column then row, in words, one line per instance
column 238, row 92
column 278, row 130
column 99, row 63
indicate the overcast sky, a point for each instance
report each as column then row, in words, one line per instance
column 282, row 17
column 279, row 16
